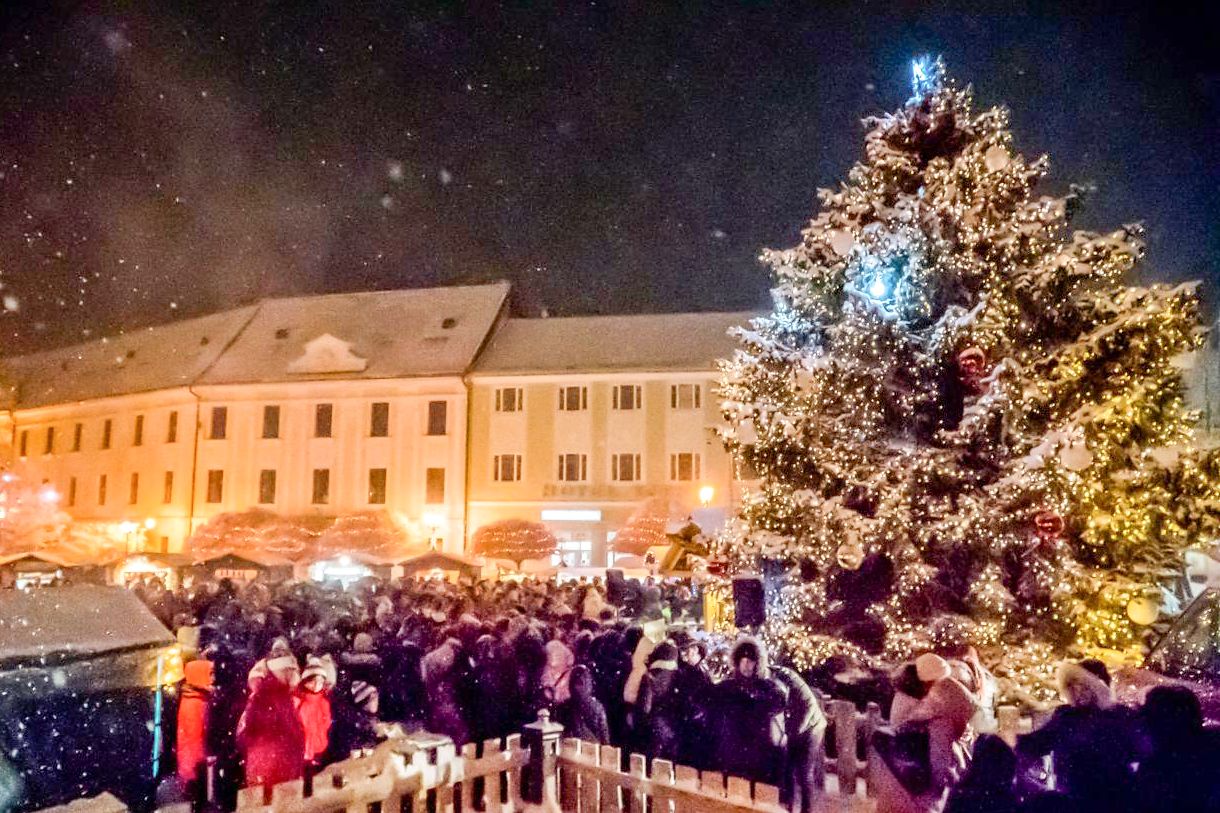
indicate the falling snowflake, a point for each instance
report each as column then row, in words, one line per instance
column 445, row 176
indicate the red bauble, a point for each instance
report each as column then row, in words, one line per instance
column 971, row 364
column 1049, row 525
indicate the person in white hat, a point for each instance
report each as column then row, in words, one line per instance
column 912, row 682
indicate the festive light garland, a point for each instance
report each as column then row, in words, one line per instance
column 1019, row 505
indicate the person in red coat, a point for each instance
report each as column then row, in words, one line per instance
column 313, row 705
column 193, row 720
column 271, row 735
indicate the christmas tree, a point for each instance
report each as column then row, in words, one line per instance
column 967, row 427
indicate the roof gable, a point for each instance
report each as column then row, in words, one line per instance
column 328, row 354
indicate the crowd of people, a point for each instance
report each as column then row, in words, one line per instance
column 1091, row 755
column 290, row 677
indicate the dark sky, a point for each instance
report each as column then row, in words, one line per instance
column 165, row 159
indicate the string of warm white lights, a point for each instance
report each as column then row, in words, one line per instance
column 967, row 428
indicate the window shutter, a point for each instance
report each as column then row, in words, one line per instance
column 584, row 397
column 614, row 467
column 561, row 467
column 583, row 460
column 695, row 466
column 698, row 390
column 637, row 469
column 499, row 400
column 617, row 405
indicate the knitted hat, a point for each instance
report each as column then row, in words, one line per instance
column 322, row 667
column 931, row 667
column 279, row 646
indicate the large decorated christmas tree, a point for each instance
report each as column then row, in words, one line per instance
column 968, row 427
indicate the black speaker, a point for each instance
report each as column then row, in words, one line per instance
column 749, row 605
column 615, row 584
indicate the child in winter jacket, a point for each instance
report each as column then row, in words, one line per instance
column 193, row 720
column 313, row 705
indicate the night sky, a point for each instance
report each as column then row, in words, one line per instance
column 166, row 159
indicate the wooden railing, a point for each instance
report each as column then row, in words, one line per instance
column 541, row 769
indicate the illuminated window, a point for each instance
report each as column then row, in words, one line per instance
column 167, row 494
column 133, row 492
column 573, row 399
column 435, row 486
column 71, row 491
column 137, row 434
column 506, row 468
column 684, row 466
column 376, row 486
column 77, row 431
column 575, row 549
column 49, row 445
column 25, row 442
column 171, row 430
column 101, row 490
column 106, row 428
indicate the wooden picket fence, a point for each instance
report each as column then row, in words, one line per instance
column 569, row 775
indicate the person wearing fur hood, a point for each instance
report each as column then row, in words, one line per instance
column 279, row 663
column 1091, row 741
column 749, row 717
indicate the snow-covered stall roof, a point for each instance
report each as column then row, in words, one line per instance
column 376, row 334
column 153, row 358
column 57, row 623
column 651, row 342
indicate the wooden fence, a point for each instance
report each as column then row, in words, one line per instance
column 541, row 770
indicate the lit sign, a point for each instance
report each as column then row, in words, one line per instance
column 570, row 515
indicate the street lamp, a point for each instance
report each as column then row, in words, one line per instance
column 706, row 493
column 433, row 523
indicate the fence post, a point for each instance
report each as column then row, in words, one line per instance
column 538, row 785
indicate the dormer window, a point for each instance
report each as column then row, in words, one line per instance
column 281, row 333
column 448, row 323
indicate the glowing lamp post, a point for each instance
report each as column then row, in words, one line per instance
column 706, row 495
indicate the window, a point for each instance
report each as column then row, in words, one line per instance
column 321, row 486
column 435, row 489
column 322, row 415
column 101, row 490
column 216, row 485
column 220, row 422
column 379, row 420
column 171, row 431
column 510, row 399
column 271, row 422
column 266, row 486
column 438, row 413
column 573, row 399
column 167, row 495
column 106, row 427
column 48, row 445
column 575, row 549
column 71, row 491
column 137, row 435
column 506, row 468
column 133, row 493
column 625, row 468
column 684, row 466
column 685, row 396
column 25, row 441
column 573, row 467
column 376, row 486
column 76, row 436
column 627, row 396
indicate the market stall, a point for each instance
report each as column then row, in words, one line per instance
column 438, row 564
column 167, row 567
column 243, row 568
column 25, row 570
column 81, row 671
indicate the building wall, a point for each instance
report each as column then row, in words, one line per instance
column 406, row 453
column 540, row 432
